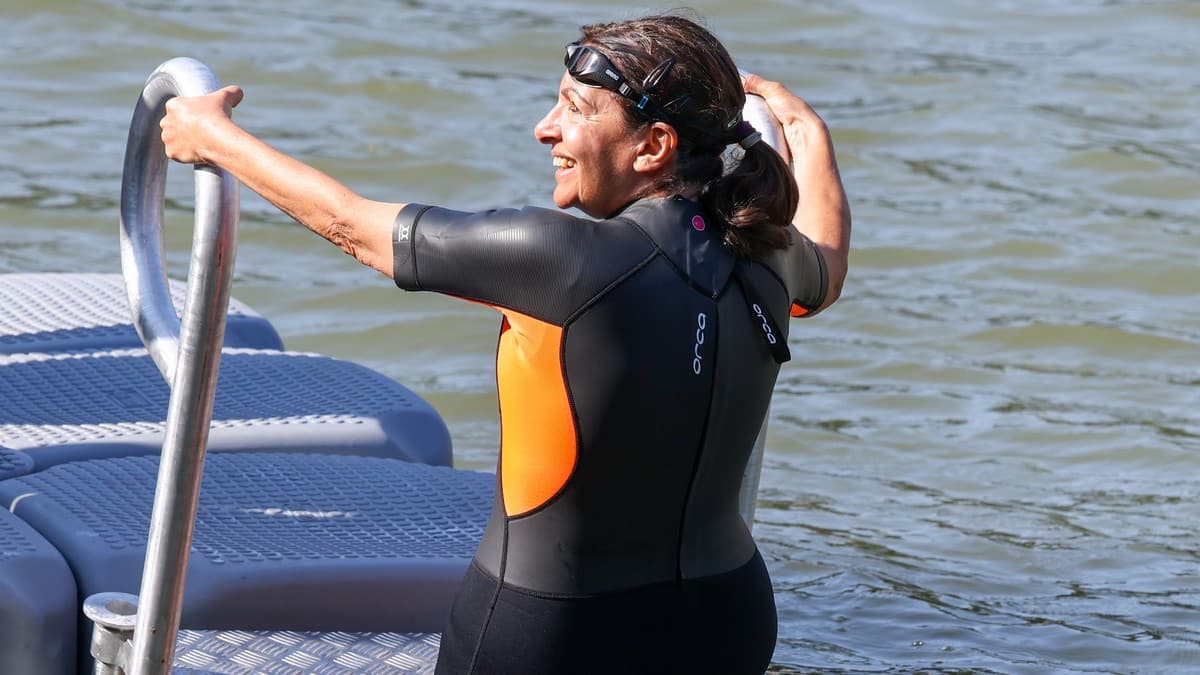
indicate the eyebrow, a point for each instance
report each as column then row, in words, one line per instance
column 577, row 92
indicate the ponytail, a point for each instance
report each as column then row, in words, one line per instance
column 755, row 201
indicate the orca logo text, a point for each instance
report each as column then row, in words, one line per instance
column 701, row 324
column 766, row 327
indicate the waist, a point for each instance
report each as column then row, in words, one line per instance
column 548, row 553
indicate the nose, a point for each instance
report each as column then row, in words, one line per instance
column 546, row 130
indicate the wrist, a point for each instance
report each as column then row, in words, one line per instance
column 806, row 131
column 214, row 138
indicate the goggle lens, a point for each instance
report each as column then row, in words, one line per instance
column 591, row 68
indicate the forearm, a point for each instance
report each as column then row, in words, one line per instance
column 823, row 214
column 360, row 227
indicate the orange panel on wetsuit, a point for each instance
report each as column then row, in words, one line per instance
column 537, row 435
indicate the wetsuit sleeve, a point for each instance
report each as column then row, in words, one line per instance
column 807, row 276
column 540, row 262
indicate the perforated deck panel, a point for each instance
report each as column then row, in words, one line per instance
column 37, row 603
column 282, row 541
column 71, row 312
column 66, row 407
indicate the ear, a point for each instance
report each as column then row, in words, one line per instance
column 656, row 153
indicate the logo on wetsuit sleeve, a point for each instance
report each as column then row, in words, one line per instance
column 701, row 324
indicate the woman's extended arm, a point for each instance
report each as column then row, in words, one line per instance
column 199, row 130
column 824, row 212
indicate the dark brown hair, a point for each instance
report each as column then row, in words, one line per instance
column 703, row 92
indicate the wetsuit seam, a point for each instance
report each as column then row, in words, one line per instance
column 574, row 315
column 503, row 536
column 548, row 595
column 700, row 447
column 495, row 594
column 716, row 293
column 778, row 279
column 562, row 489
column 412, row 243
column 622, row 278
column 501, row 307
column 678, row 271
column 824, row 275
column 583, row 306
column 562, row 364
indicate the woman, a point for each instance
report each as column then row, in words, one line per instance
column 637, row 353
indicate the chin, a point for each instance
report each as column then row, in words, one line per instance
column 564, row 201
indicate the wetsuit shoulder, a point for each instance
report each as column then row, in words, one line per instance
column 539, row 262
column 801, row 270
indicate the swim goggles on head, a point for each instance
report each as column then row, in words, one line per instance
column 592, row 69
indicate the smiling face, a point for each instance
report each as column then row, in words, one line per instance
column 595, row 153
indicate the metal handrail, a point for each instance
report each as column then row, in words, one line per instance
column 187, row 351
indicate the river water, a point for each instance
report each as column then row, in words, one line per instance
column 984, row 458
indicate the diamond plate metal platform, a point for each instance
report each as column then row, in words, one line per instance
column 297, row 653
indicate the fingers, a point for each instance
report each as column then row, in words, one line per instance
column 751, row 82
column 775, row 93
column 754, row 84
column 786, row 106
column 190, row 121
column 224, row 99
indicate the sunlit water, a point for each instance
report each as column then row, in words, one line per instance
column 984, row 458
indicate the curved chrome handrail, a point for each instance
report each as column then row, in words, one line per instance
column 142, row 191
column 187, row 351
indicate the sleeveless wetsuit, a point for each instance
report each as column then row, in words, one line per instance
column 633, row 375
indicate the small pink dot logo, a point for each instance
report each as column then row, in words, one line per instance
column 698, row 223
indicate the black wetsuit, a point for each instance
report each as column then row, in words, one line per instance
column 635, row 364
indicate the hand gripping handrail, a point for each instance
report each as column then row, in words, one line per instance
column 187, row 351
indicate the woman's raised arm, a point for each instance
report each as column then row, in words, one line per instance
column 200, row 130
column 823, row 214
